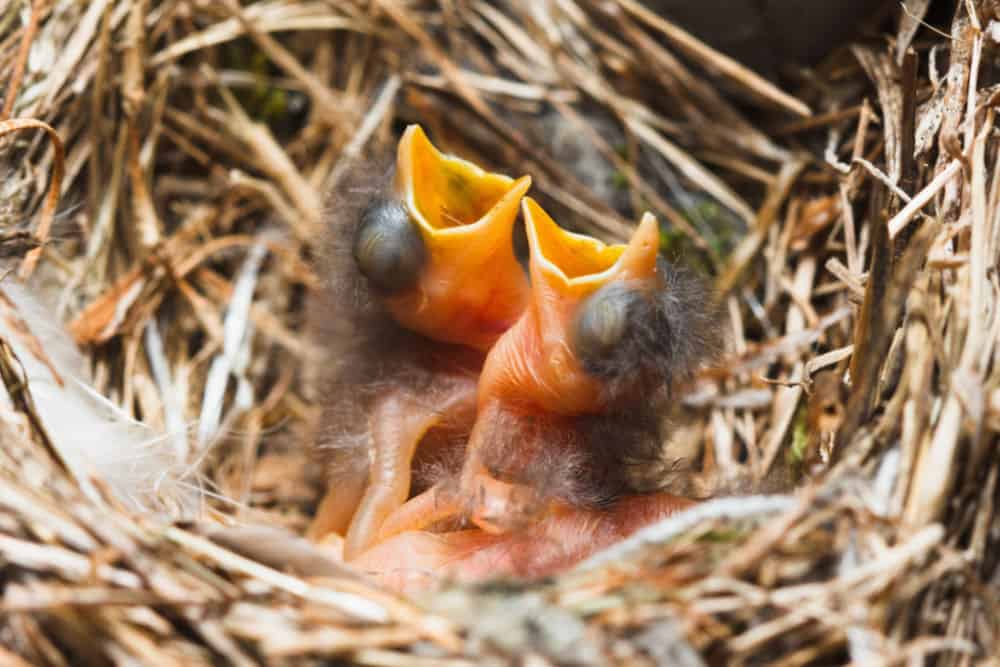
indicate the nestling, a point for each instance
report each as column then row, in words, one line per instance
column 421, row 279
column 568, row 399
column 535, row 393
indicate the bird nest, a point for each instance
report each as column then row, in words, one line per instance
column 166, row 165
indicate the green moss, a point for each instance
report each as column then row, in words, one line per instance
column 262, row 101
column 722, row 536
column 800, row 437
column 619, row 181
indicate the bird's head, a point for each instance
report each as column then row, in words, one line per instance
column 578, row 331
column 439, row 248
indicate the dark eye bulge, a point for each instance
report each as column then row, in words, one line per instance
column 603, row 322
column 388, row 247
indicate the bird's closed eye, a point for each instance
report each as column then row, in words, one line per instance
column 602, row 323
column 388, row 246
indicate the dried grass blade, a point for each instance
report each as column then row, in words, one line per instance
column 730, row 68
column 55, row 184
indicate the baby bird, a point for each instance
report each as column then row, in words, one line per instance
column 420, row 281
column 608, row 334
column 536, row 394
column 569, row 398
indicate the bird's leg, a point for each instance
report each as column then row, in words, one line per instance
column 398, row 423
column 418, row 513
column 333, row 516
column 493, row 505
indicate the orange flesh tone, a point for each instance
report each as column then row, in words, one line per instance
column 533, row 365
column 396, row 430
column 417, row 560
column 338, row 506
column 420, row 512
column 532, row 369
column 472, row 288
column 398, row 423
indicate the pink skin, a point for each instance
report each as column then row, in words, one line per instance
column 418, row 560
column 531, row 372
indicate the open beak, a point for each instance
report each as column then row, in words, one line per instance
column 566, row 269
column 472, row 288
column 573, row 266
column 534, row 381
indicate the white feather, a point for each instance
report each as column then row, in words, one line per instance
column 235, row 355
column 141, row 465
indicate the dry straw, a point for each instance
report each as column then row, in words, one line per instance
column 191, row 144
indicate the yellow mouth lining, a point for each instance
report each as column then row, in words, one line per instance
column 445, row 192
column 577, row 260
